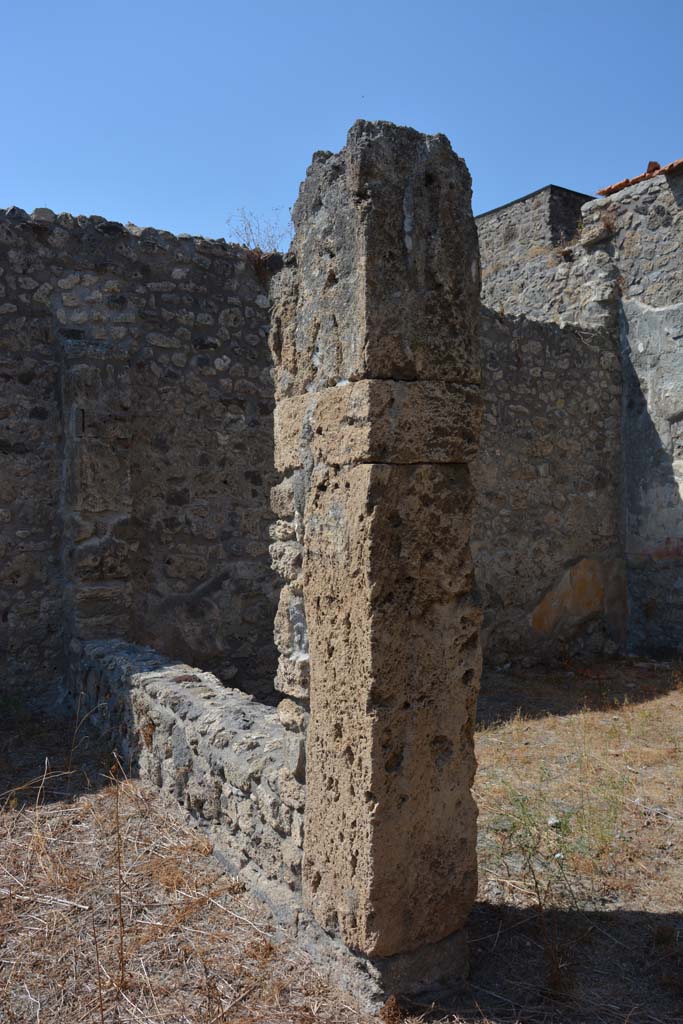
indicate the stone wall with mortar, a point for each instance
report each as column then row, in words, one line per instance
column 31, row 603
column 641, row 230
column 547, row 526
column 526, row 254
column 233, row 765
column 623, row 272
column 138, row 445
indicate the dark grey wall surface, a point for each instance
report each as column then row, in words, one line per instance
column 136, row 447
column 546, row 538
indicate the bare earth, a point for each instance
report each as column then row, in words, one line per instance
column 112, row 911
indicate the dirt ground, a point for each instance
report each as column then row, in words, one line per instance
column 113, row 911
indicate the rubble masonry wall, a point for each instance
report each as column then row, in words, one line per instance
column 622, row 272
column 547, row 522
column 137, row 447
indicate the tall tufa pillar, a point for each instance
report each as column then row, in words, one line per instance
column 374, row 339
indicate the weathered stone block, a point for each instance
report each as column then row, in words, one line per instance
column 293, row 676
column 291, row 640
column 378, row 421
column 100, row 608
column 282, row 498
column 390, row 822
column 370, row 292
column 286, row 558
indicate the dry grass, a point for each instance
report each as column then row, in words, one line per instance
column 581, row 828
column 110, row 910
column 571, row 803
column 113, row 911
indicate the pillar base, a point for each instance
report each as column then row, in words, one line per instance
column 434, row 973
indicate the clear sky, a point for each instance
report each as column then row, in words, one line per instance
column 175, row 114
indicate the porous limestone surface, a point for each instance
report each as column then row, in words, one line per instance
column 374, row 339
column 378, row 421
column 390, row 851
column 367, row 291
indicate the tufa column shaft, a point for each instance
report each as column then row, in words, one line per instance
column 374, row 339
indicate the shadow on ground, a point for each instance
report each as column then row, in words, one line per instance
column 537, row 692
column 570, row 967
column 46, row 757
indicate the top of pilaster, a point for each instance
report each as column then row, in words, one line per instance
column 382, row 280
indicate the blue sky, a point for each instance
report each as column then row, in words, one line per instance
column 177, row 114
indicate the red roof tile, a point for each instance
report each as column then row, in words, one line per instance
column 653, row 169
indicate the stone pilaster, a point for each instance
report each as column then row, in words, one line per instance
column 377, row 376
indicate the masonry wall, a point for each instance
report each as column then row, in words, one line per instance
column 31, row 644
column 233, row 765
column 622, row 272
column 642, row 233
column 546, row 537
column 202, row 466
column 138, row 447
column 136, row 434
column 524, row 249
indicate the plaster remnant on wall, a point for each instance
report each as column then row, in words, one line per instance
column 587, row 590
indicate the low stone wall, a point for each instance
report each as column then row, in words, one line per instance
column 235, row 766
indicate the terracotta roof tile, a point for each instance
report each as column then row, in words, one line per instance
column 653, row 169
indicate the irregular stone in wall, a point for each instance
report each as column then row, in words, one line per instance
column 96, row 472
column 390, row 822
column 291, row 640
